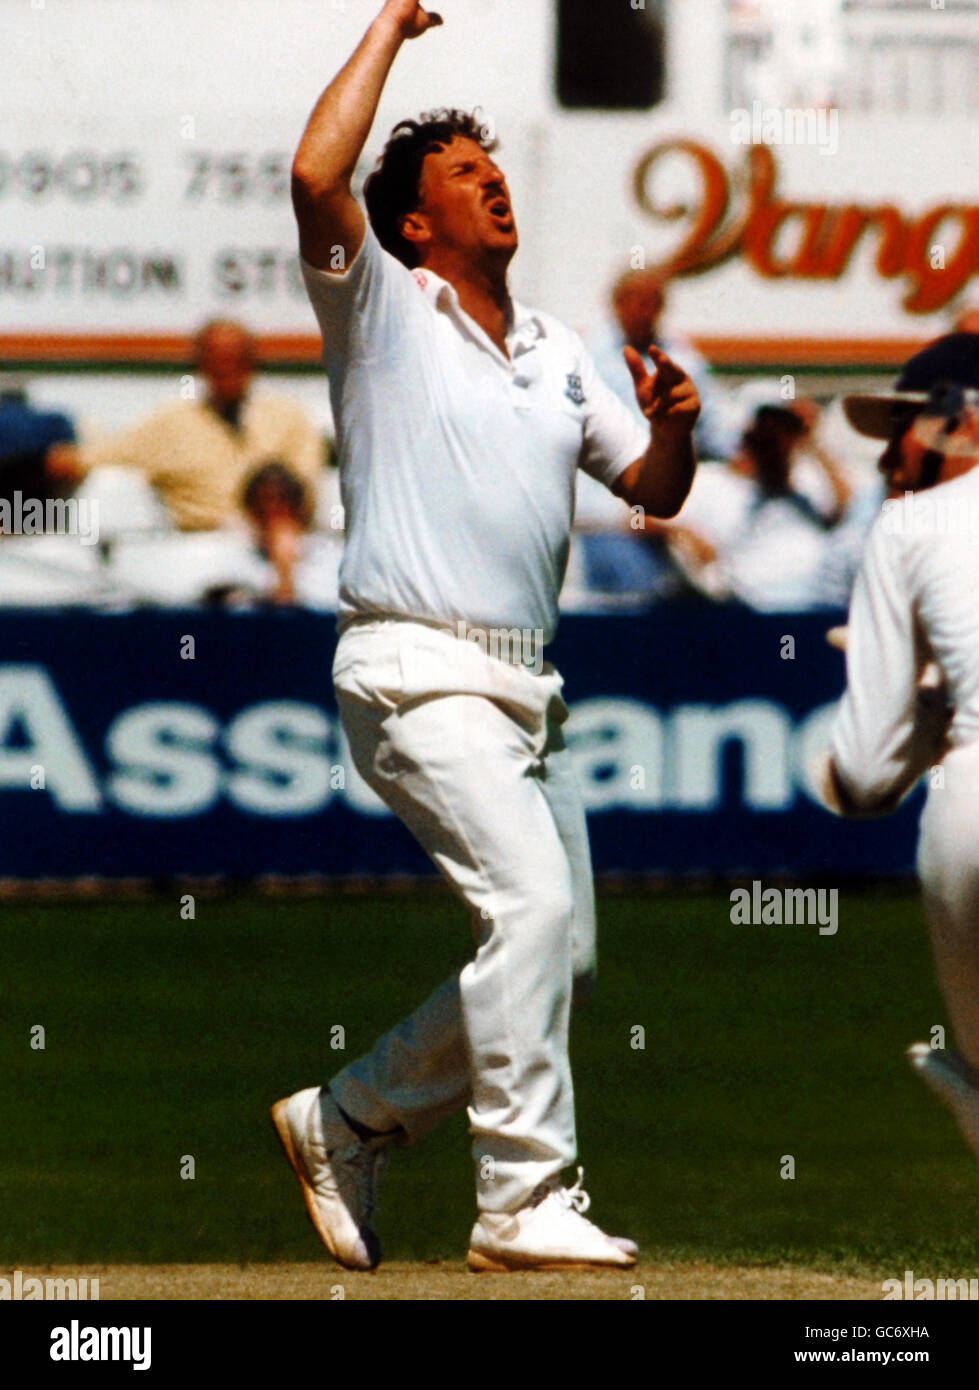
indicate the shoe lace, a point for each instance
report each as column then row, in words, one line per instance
column 575, row 1198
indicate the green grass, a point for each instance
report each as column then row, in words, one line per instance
column 166, row 1037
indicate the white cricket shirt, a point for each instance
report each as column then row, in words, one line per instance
column 457, row 464
column 916, row 599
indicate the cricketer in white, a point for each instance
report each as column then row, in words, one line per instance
column 462, row 418
column 912, row 699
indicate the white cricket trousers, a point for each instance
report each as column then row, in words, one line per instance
column 948, row 866
column 466, row 749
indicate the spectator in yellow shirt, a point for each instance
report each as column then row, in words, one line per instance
column 198, row 454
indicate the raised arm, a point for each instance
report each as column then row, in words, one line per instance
column 329, row 217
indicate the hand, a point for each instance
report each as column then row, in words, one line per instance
column 62, row 462
column 282, row 541
column 412, row 21
column 837, row 637
column 668, row 398
column 693, row 547
column 808, row 412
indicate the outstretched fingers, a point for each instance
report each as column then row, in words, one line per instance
column 668, row 390
column 636, row 365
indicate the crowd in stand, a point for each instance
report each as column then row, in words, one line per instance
column 223, row 494
column 228, row 494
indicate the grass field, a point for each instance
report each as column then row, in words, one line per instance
column 166, row 1038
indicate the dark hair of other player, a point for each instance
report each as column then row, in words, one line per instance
column 393, row 189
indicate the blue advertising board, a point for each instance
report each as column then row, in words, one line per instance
column 158, row 742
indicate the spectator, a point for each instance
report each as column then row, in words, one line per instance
column 198, row 453
column 753, row 530
column 638, row 299
column 27, row 437
column 278, row 505
column 281, row 508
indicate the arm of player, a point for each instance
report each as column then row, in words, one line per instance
column 887, row 731
column 660, row 481
column 330, row 219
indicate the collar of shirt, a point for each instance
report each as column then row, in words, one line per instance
column 524, row 327
column 231, row 414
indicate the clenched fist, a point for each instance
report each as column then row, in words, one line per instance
column 411, row 20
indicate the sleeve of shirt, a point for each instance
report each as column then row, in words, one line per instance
column 613, row 436
column 144, row 446
column 361, row 312
column 876, row 744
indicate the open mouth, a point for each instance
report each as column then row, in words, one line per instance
column 500, row 209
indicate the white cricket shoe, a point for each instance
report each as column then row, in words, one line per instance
column 951, row 1077
column 337, row 1171
column 550, row 1232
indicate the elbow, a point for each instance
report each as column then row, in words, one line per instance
column 665, row 503
column 668, row 509
column 660, row 492
column 312, row 186
column 671, row 488
column 302, row 173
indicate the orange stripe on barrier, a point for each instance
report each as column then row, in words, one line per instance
column 289, row 348
column 164, row 348
column 814, row 352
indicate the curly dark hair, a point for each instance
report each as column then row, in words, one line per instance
column 393, row 188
